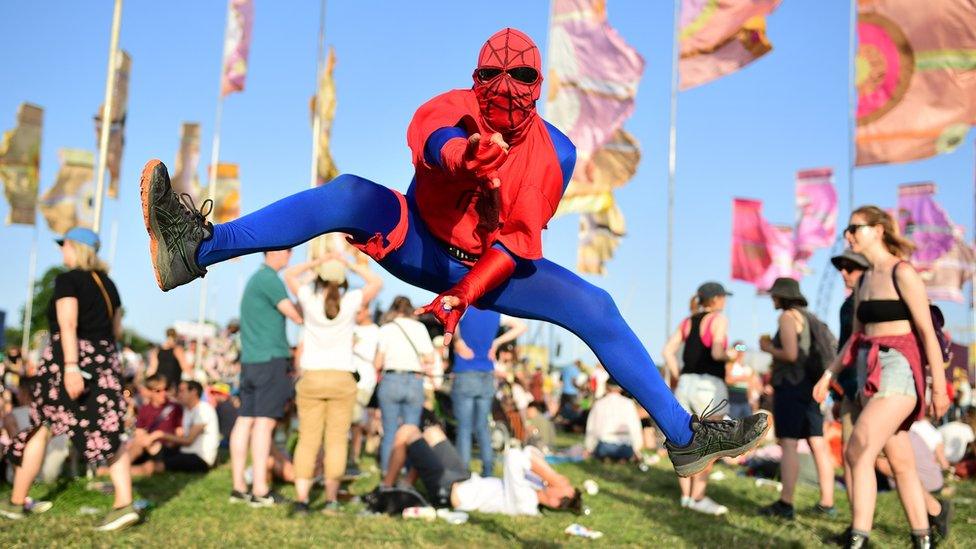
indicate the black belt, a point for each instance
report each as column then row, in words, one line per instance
column 459, row 254
column 385, row 372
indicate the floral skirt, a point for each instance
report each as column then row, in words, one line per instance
column 94, row 421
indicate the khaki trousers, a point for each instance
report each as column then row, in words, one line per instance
column 325, row 400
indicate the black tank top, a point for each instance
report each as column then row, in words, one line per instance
column 168, row 366
column 696, row 356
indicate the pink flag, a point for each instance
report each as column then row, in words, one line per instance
column 593, row 75
column 948, row 274
column 719, row 37
column 237, row 42
column 781, row 249
column 816, row 212
column 761, row 252
column 916, row 78
column 923, row 220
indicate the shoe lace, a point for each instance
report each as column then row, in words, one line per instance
column 720, row 424
column 192, row 213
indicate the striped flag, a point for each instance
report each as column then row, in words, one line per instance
column 69, row 202
column 719, row 37
column 324, row 106
column 116, row 131
column 20, row 164
column 237, row 43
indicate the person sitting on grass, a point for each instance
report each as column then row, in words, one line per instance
column 194, row 446
column 159, row 413
column 613, row 428
column 528, row 482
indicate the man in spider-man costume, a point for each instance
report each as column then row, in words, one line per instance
column 489, row 175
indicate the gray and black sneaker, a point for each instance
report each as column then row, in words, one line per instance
column 175, row 227
column 12, row 511
column 270, row 499
column 120, row 518
column 239, row 497
column 716, row 438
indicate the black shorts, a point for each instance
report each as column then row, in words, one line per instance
column 161, row 455
column 184, row 462
column 439, row 468
column 795, row 413
column 265, row 388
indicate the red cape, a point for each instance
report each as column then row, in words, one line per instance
column 531, row 181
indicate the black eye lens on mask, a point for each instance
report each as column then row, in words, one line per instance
column 526, row 75
column 485, row 75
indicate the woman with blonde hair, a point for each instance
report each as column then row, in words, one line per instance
column 78, row 389
column 326, row 391
column 893, row 340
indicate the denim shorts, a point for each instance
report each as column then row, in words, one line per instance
column 696, row 392
column 896, row 373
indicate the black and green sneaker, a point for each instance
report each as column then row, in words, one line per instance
column 175, row 227
column 11, row 511
column 717, row 438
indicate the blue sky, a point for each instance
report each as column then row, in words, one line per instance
column 744, row 135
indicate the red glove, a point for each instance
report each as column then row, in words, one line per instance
column 494, row 268
column 476, row 156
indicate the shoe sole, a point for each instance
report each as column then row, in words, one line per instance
column 124, row 521
column 145, row 184
column 696, row 467
column 237, row 500
column 12, row 516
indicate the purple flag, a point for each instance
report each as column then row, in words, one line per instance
column 925, row 222
column 237, row 43
column 945, row 280
column 816, row 212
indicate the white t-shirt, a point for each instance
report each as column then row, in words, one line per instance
column 208, row 441
column 514, row 494
column 928, row 433
column 956, row 435
column 365, row 338
column 327, row 344
column 398, row 354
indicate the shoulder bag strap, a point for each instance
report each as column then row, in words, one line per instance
column 108, row 302
column 410, row 341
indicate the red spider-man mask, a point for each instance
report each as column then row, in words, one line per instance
column 508, row 80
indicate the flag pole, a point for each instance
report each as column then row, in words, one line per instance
column 29, row 306
column 852, row 104
column 672, row 165
column 212, row 193
column 113, row 54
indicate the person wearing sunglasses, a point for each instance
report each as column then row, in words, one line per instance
column 892, row 341
column 489, row 175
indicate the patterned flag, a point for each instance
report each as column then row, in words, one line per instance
column 324, row 106
column 916, row 78
column 116, row 132
column 719, row 37
column 227, row 195
column 20, row 164
column 924, row 221
column 185, row 176
column 761, row 252
column 68, row 203
column 948, row 274
column 816, row 212
column 237, row 42
column 593, row 81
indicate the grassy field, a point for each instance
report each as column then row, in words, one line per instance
column 633, row 508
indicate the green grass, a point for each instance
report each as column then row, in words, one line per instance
column 632, row 509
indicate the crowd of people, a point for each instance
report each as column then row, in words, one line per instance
column 366, row 380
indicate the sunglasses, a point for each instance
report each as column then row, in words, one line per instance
column 525, row 75
column 853, row 227
column 159, row 390
column 849, row 267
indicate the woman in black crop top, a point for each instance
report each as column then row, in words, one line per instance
column 78, row 390
column 701, row 383
column 891, row 305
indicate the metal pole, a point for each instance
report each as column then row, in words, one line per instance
column 672, row 165
column 316, row 119
column 113, row 60
column 29, row 306
column 852, row 104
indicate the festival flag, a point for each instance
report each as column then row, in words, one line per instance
column 237, row 42
column 719, row 37
column 761, row 252
column 20, row 164
column 923, row 220
column 916, row 78
column 69, row 202
column 945, row 279
column 116, row 132
column 593, row 81
column 185, row 176
column 227, row 193
column 324, row 106
column 816, row 212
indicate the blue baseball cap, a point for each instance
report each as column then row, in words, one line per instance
column 81, row 235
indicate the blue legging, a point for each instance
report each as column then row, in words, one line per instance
column 539, row 289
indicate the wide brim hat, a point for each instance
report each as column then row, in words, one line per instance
column 850, row 256
column 787, row 288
